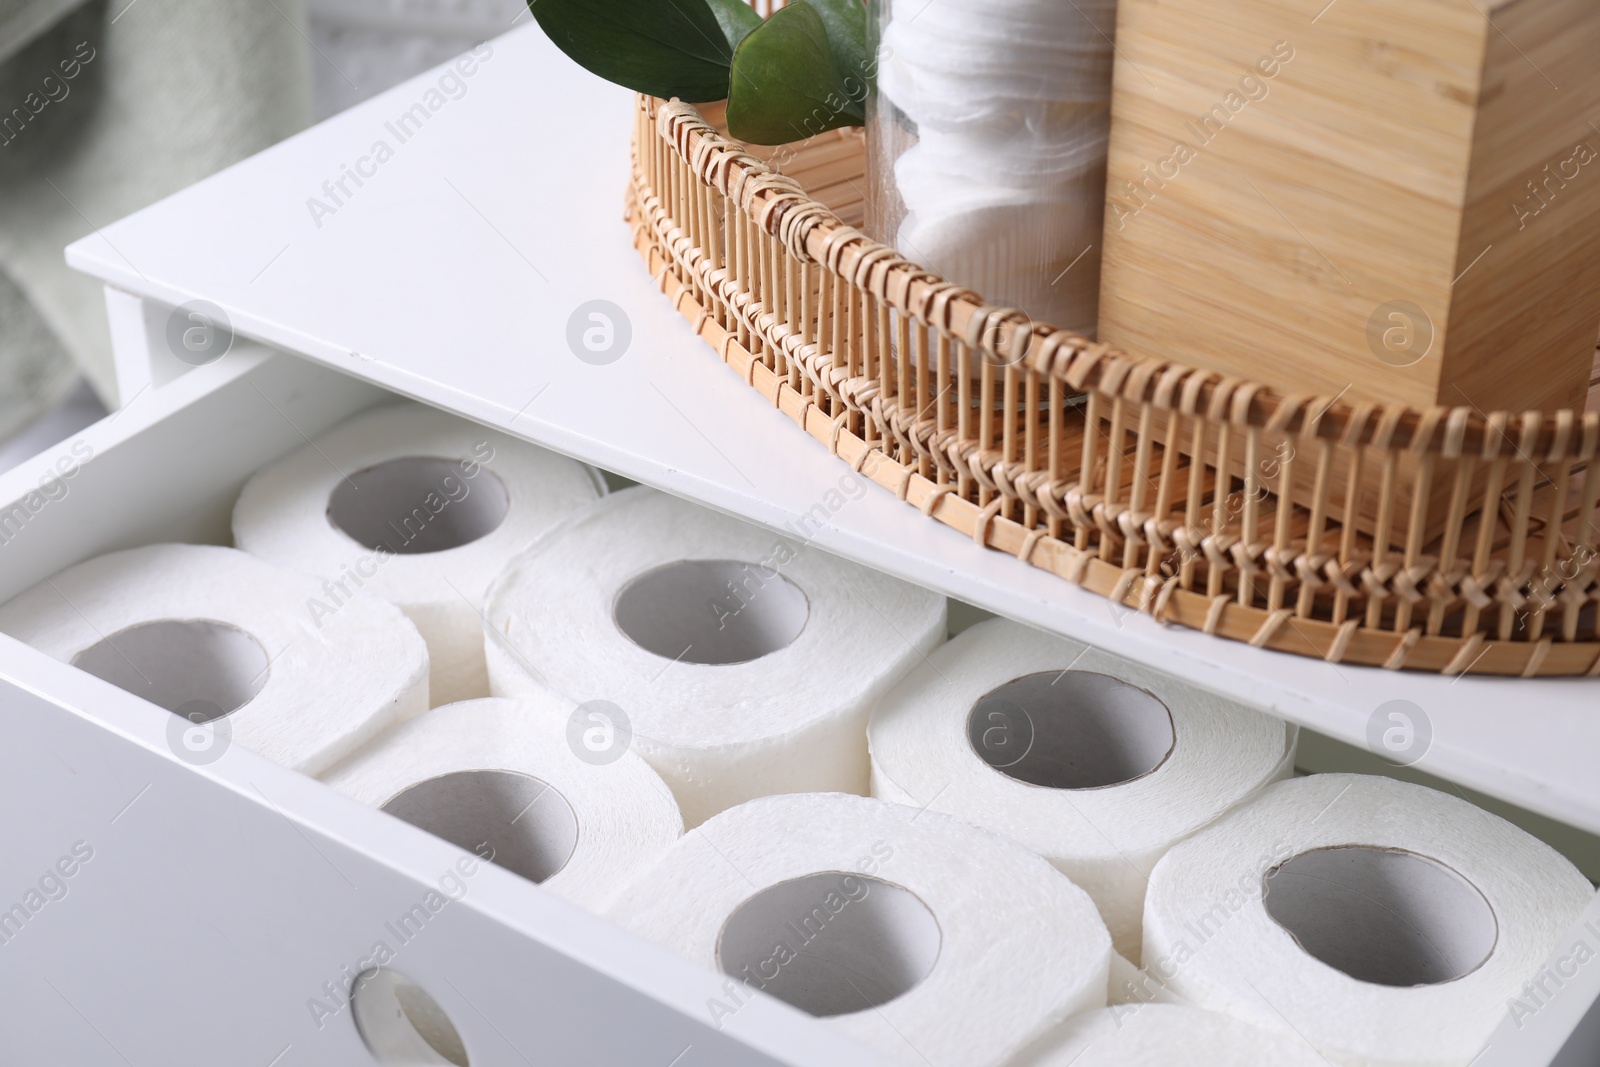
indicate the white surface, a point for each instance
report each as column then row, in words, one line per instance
column 451, row 274
column 1020, row 947
column 1217, row 933
column 1208, row 755
column 791, row 721
column 625, row 815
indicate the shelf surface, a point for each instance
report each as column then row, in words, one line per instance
column 478, row 230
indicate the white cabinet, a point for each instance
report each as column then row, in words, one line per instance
column 219, row 899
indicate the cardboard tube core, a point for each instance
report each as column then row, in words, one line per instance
column 1071, row 730
column 419, row 504
column 715, row 611
column 1387, row 916
column 515, row 820
column 831, row 943
column 200, row 669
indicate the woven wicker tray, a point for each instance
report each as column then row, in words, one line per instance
column 1039, row 443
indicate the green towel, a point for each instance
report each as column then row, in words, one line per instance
column 116, row 105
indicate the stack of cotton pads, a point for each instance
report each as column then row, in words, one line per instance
column 1004, row 190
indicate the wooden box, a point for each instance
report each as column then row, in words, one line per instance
column 1393, row 200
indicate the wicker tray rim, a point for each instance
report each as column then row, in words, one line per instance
column 1004, row 335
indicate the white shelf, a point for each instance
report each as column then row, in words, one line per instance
column 450, row 275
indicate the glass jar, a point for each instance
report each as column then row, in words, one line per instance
column 987, row 139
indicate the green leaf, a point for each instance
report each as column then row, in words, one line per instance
column 664, row 48
column 736, row 18
column 786, row 84
column 846, row 22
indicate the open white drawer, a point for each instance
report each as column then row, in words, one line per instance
column 219, row 904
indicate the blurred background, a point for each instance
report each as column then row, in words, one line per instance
column 107, row 106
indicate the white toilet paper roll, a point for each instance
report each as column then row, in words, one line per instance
column 1132, row 984
column 503, row 779
column 918, row 935
column 218, row 637
column 1160, row 1035
column 743, row 662
column 1124, row 976
column 1386, row 923
column 419, row 507
column 1097, row 764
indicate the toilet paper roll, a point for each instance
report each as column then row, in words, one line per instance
column 500, row 778
column 1385, row 923
column 1160, row 1035
column 419, row 507
column 218, row 637
column 1097, row 764
column 1124, row 976
column 743, row 662
column 1132, row 984
column 922, row 937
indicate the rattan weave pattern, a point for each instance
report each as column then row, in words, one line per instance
column 1037, row 442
